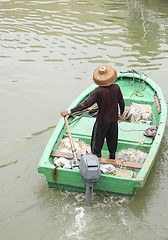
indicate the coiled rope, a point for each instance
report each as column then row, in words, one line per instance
column 142, row 86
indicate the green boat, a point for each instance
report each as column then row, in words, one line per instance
column 138, row 90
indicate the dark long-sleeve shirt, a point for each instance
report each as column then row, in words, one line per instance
column 107, row 99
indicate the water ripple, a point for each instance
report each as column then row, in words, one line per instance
column 78, row 30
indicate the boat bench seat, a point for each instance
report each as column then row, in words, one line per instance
column 128, row 132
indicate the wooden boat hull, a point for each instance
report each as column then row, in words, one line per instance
column 129, row 136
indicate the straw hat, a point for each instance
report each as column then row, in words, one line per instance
column 104, row 75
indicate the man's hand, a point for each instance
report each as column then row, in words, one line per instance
column 65, row 113
column 120, row 117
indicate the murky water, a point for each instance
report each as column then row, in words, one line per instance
column 48, row 51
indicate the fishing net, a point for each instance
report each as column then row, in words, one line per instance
column 138, row 113
column 80, row 146
column 132, row 155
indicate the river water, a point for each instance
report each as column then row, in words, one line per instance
column 48, row 51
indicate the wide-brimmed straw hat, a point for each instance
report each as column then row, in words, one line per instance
column 104, row 75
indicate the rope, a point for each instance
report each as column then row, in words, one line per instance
column 131, row 130
column 141, row 85
column 106, row 194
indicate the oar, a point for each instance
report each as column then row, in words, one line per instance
column 71, row 141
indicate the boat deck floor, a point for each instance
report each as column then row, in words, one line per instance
column 128, row 132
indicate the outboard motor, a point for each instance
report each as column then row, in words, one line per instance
column 90, row 170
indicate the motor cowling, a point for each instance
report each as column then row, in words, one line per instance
column 90, row 168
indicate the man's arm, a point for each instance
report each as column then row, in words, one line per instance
column 121, row 102
column 86, row 104
column 121, row 105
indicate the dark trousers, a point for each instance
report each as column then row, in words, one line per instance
column 102, row 131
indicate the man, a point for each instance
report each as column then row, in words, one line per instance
column 107, row 96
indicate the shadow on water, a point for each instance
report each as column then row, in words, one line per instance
column 40, row 132
column 8, row 164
